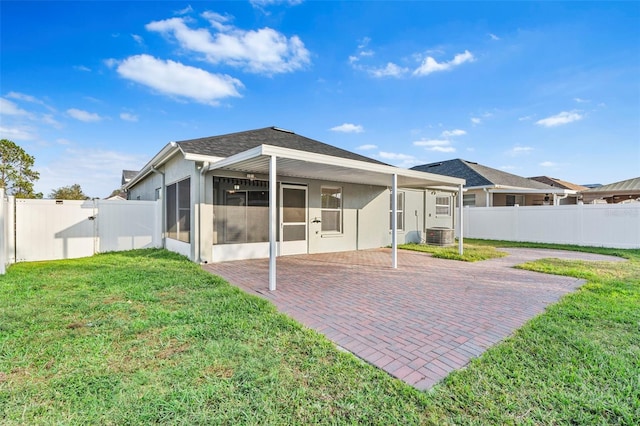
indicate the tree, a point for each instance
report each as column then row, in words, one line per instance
column 72, row 192
column 16, row 173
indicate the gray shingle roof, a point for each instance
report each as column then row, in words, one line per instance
column 127, row 175
column 478, row 175
column 558, row 183
column 625, row 185
column 234, row 143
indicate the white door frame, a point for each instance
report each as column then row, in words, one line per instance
column 299, row 246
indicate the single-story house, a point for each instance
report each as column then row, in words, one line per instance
column 488, row 187
column 613, row 193
column 559, row 183
column 269, row 192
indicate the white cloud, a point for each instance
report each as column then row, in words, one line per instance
column 81, row 68
column 564, row 117
column 128, row 117
column 48, row 119
column 581, row 101
column 259, row 51
column 138, row 39
column 97, row 171
column 175, row 79
column 81, row 115
column 9, row 108
column 476, row 120
column 398, row 159
column 494, row 37
column 263, row 3
column 21, row 133
column 437, row 145
column 348, row 128
column 548, row 164
column 455, row 132
column 27, row 98
column 391, row 70
column 520, row 150
column 430, row 65
column 395, row 156
column 526, row 118
column 367, row 147
column 184, row 11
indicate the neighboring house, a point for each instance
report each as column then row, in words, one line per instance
column 487, row 187
column 127, row 175
column 244, row 195
column 613, row 193
column 558, row 183
column 120, row 196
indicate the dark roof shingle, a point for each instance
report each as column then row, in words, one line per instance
column 478, row 175
column 234, row 143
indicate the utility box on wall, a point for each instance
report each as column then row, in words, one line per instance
column 439, row 236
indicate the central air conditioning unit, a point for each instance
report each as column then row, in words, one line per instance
column 440, row 236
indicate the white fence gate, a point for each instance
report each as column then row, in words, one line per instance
column 599, row 225
column 64, row 229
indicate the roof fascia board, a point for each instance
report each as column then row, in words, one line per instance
column 242, row 156
column 533, row 191
column 201, row 157
column 159, row 159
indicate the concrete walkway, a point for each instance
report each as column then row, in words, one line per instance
column 418, row 322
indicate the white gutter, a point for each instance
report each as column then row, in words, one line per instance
column 160, row 158
column 163, row 208
column 201, row 196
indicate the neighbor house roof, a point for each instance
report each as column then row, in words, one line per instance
column 224, row 146
column 127, row 175
column 629, row 185
column 478, row 175
column 559, row 183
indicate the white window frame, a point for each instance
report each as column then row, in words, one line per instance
column 400, row 207
column 330, row 209
column 469, row 200
column 440, row 205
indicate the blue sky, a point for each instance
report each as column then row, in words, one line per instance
column 532, row 88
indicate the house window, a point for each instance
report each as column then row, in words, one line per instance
column 512, row 200
column 331, row 212
column 157, row 194
column 443, row 206
column 469, row 200
column 241, row 210
column 179, row 210
column 399, row 212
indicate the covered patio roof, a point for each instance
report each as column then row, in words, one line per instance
column 295, row 163
column 274, row 161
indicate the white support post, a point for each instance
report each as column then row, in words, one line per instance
column 460, row 221
column 394, row 221
column 3, row 232
column 272, row 223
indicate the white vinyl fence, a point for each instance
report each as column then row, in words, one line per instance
column 599, row 225
column 35, row 230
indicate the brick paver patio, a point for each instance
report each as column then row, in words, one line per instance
column 418, row 322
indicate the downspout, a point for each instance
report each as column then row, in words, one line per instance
column 203, row 169
column 557, row 198
column 460, row 220
column 163, row 192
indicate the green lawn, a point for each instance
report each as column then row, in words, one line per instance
column 147, row 337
